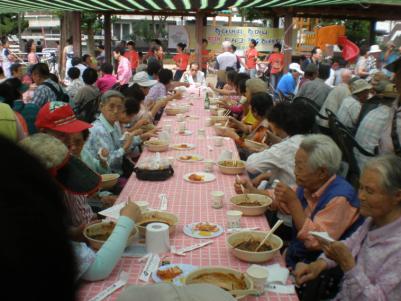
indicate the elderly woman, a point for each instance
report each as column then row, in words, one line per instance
column 371, row 257
column 106, row 132
column 322, row 202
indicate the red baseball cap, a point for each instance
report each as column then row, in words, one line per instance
column 59, row 116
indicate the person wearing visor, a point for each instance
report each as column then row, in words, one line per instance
column 72, row 175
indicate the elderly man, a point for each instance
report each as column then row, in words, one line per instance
column 194, row 75
column 323, row 201
column 380, row 130
column 348, row 113
column 316, row 89
column 225, row 60
column 336, row 97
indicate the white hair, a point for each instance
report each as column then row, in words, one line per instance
column 322, row 152
column 226, row 44
column 389, row 168
column 109, row 94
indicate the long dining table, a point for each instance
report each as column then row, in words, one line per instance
column 190, row 202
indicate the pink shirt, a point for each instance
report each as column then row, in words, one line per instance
column 124, row 70
column 106, row 82
column 376, row 275
column 335, row 218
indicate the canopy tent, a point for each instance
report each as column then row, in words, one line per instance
column 7, row 6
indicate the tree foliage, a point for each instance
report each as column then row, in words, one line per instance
column 9, row 24
column 149, row 29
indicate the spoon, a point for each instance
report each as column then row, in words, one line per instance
column 276, row 225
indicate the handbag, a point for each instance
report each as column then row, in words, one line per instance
column 154, row 175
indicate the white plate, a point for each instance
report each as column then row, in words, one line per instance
column 207, row 177
column 186, row 133
column 199, row 158
column 177, row 146
column 189, row 230
column 179, row 280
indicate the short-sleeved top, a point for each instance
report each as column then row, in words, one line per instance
column 133, row 57
column 251, row 55
column 348, row 113
column 287, row 84
column 182, row 59
column 43, row 94
column 205, row 58
column 276, row 60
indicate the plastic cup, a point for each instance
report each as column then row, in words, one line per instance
column 217, row 199
column 209, row 164
column 181, row 127
column 180, row 117
column 143, row 205
column 218, row 141
column 259, row 276
column 234, row 218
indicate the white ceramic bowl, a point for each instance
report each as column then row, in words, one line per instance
column 221, row 130
column 231, row 170
column 157, row 217
column 191, row 278
column 264, row 200
column 103, row 228
column 156, row 145
column 255, row 145
column 109, row 180
column 254, row 257
column 219, row 119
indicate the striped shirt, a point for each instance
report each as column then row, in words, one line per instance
column 80, row 213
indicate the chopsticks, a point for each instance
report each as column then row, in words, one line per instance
column 227, row 113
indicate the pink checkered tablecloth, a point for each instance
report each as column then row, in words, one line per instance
column 191, row 203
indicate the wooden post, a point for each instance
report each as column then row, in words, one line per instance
column 76, row 32
column 287, row 41
column 107, row 37
column 65, row 33
column 199, row 35
column 372, row 32
column 276, row 22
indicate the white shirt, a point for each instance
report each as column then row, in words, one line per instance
column 199, row 78
column 348, row 113
column 227, row 59
column 279, row 159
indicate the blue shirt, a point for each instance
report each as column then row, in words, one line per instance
column 105, row 135
column 287, row 84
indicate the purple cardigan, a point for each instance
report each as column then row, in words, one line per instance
column 377, row 273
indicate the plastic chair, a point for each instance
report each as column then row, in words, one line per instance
column 309, row 102
column 347, row 144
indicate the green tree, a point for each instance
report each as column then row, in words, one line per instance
column 9, row 24
column 90, row 24
column 149, row 29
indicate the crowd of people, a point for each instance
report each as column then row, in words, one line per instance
column 58, row 141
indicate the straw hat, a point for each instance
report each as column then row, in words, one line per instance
column 359, row 86
column 390, row 91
